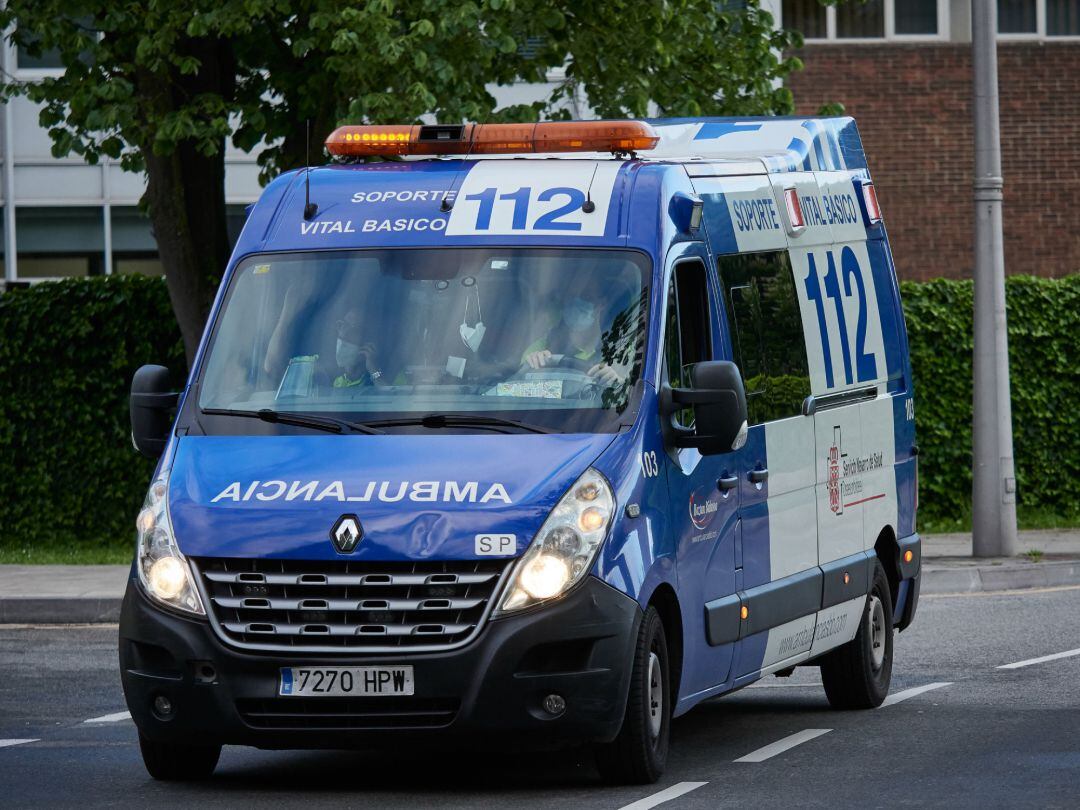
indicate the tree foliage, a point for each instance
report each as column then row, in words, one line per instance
column 163, row 85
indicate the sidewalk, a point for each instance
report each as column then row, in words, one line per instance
column 62, row 594
column 948, row 566
column 72, row 594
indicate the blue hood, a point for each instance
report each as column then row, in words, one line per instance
column 417, row 496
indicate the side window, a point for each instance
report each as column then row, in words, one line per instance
column 687, row 333
column 766, row 325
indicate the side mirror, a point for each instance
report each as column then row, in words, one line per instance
column 150, row 405
column 719, row 402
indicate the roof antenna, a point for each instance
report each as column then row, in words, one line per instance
column 447, row 204
column 310, row 208
column 589, row 206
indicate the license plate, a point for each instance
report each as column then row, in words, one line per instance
column 345, row 681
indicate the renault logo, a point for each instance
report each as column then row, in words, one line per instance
column 346, row 533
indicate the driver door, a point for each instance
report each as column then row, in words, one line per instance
column 704, row 495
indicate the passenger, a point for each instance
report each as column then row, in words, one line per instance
column 354, row 356
column 577, row 334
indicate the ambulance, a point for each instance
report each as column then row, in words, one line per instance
column 529, row 434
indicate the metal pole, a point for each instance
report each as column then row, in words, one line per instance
column 11, row 253
column 994, row 489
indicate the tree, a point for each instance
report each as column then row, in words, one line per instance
column 161, row 86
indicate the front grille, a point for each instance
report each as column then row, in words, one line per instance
column 328, row 714
column 355, row 606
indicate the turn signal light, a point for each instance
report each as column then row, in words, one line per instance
column 744, row 612
column 908, row 556
column 492, row 139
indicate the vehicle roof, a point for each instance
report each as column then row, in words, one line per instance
column 400, row 203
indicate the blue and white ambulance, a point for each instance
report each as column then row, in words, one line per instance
column 541, row 433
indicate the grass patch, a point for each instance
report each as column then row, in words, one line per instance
column 1026, row 518
column 75, row 554
column 1034, row 554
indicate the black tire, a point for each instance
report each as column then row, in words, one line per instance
column 857, row 675
column 172, row 762
column 639, row 754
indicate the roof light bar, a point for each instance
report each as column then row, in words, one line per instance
column 492, row 139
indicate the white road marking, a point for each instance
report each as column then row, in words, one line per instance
column 665, row 795
column 110, row 718
column 6, row 743
column 910, row 693
column 1043, row 659
column 780, row 746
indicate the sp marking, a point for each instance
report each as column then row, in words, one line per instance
column 347, row 532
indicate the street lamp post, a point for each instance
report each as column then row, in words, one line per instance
column 994, row 489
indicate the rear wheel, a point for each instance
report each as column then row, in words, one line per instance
column 639, row 754
column 173, row 762
column 857, row 675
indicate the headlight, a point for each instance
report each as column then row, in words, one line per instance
column 564, row 548
column 163, row 571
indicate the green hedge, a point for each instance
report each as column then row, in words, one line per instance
column 68, row 350
column 1044, row 357
column 68, row 473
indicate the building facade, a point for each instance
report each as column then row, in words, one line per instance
column 63, row 217
column 903, row 69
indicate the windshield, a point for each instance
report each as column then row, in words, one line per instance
column 549, row 337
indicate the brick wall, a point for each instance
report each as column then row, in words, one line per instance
column 913, row 107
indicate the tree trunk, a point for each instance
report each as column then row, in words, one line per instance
column 185, row 195
column 185, row 192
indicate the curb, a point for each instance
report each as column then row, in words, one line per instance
column 1011, row 577
column 60, row 610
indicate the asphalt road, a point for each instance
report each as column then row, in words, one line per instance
column 981, row 736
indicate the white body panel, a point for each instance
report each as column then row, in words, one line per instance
column 792, row 537
column 545, row 199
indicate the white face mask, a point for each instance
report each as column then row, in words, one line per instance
column 347, row 354
column 472, row 335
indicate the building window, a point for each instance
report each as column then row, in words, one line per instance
column 57, row 242
column 861, row 20
column 1039, row 18
column 805, row 16
column 46, row 60
column 916, row 17
column 1063, row 18
column 1017, row 17
column 868, row 21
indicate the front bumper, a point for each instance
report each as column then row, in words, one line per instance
column 580, row 647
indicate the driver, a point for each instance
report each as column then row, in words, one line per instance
column 577, row 334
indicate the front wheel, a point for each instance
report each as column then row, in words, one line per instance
column 857, row 675
column 173, row 762
column 638, row 755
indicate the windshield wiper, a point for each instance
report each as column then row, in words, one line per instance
column 452, row 420
column 327, row 423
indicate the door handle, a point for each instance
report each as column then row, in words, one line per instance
column 727, row 482
column 759, row 476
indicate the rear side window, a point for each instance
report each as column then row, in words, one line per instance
column 767, row 334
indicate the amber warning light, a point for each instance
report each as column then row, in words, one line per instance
column 492, row 139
